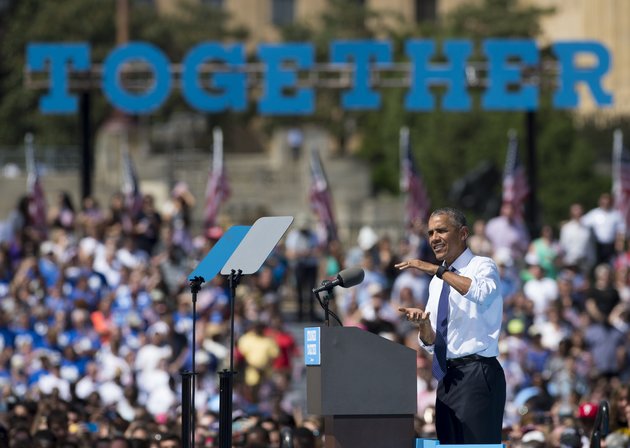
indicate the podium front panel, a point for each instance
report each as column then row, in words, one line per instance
column 361, row 374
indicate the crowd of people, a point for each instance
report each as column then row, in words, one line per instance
column 96, row 325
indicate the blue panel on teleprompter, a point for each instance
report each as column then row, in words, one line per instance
column 220, row 253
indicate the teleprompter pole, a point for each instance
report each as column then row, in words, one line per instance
column 188, row 382
column 226, row 382
column 187, row 436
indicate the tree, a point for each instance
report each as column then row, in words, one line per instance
column 450, row 145
column 31, row 21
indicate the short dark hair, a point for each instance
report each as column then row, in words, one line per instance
column 458, row 218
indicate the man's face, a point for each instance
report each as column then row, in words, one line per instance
column 446, row 240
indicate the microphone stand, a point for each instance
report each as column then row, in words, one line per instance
column 324, row 303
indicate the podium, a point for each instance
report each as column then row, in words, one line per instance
column 363, row 385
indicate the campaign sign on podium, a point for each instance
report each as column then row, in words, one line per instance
column 312, row 348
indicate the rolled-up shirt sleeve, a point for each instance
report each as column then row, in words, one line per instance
column 484, row 288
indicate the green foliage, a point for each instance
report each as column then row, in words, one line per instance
column 495, row 19
column 90, row 21
column 32, row 21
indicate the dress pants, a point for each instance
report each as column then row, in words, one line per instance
column 470, row 402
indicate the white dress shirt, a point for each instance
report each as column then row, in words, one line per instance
column 474, row 320
column 576, row 241
column 606, row 224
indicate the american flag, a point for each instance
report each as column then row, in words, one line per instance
column 417, row 201
column 621, row 177
column 515, row 186
column 217, row 188
column 130, row 185
column 321, row 197
column 35, row 190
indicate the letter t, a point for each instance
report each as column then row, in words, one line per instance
column 60, row 56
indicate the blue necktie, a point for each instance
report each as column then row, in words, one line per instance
column 441, row 327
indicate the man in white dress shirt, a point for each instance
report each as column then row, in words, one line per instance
column 460, row 327
column 608, row 227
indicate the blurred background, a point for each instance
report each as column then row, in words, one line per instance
column 461, row 155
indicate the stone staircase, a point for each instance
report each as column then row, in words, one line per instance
column 272, row 183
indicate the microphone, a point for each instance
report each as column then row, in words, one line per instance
column 346, row 278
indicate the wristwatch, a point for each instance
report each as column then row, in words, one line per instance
column 440, row 271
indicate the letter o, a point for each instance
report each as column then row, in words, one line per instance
column 130, row 102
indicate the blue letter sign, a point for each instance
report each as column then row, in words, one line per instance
column 286, row 90
column 60, row 57
column 232, row 85
column 502, row 75
column 130, row 102
column 361, row 96
column 570, row 75
column 424, row 74
column 274, row 101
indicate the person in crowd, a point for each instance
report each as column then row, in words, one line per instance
column 295, row 141
column 608, row 226
column 387, row 260
column 509, row 232
column 606, row 345
column 547, row 251
column 147, row 226
column 259, row 353
column 577, row 242
column 478, row 242
column 602, row 297
column 303, row 251
column 510, row 281
column 287, row 345
column 377, row 314
column 90, row 218
column 410, row 289
column 63, row 214
column 471, row 389
column 178, row 215
column 620, row 410
column 77, row 308
column 539, row 289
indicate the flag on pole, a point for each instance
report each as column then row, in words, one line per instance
column 34, row 188
column 515, row 186
column 217, row 188
column 621, row 177
column 130, row 184
column 417, row 201
column 321, row 197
